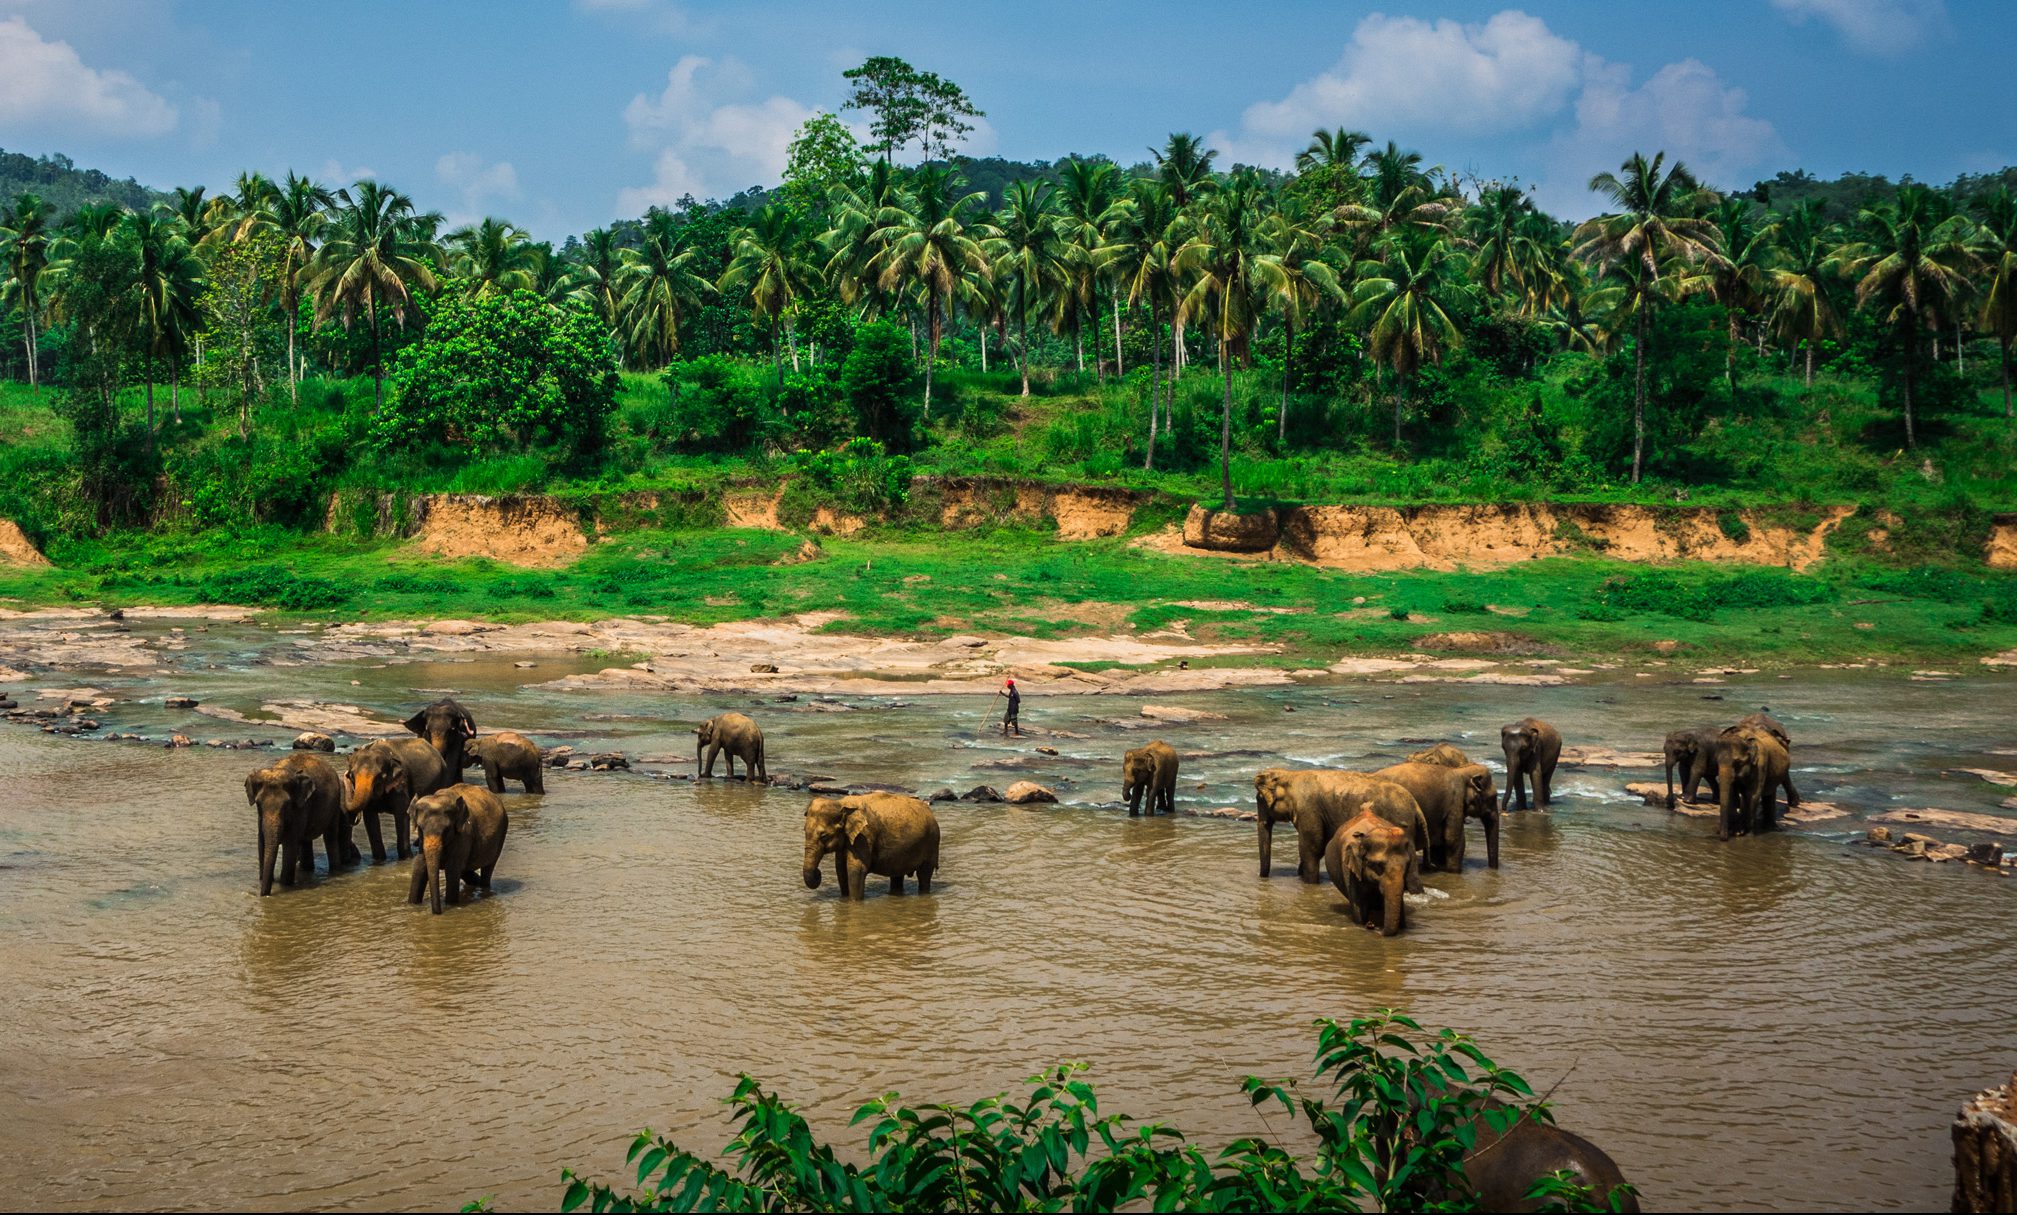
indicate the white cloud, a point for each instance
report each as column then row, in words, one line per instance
column 336, row 175
column 1878, row 27
column 45, row 87
column 1684, row 110
column 1443, row 77
column 708, row 142
column 477, row 185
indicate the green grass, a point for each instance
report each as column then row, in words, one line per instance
column 1027, row 583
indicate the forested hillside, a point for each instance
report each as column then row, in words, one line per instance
column 57, row 181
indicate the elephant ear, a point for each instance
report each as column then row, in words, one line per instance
column 252, row 789
column 458, row 812
column 417, row 723
column 303, row 787
column 857, row 826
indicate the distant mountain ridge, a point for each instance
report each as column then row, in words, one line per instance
column 58, row 181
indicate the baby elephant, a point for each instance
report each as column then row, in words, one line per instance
column 508, row 756
column 737, row 735
column 1151, row 769
column 298, row 799
column 1369, row 860
column 461, row 833
column 886, row 834
column 1532, row 748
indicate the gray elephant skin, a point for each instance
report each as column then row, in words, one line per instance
column 884, row 834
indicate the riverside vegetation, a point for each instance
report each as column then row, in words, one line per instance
column 195, row 380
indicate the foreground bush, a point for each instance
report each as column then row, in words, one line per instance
column 1402, row 1111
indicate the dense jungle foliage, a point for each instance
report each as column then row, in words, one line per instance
column 1365, row 327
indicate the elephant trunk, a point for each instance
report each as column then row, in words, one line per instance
column 360, row 792
column 430, row 850
column 813, row 856
column 1267, row 834
column 1391, row 890
column 1492, row 840
column 269, row 845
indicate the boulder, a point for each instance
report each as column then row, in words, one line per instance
column 312, row 741
column 981, row 793
column 180, row 740
column 558, row 757
column 1178, row 716
column 942, row 795
column 1231, row 532
column 1987, row 853
column 609, row 761
column 180, row 702
column 1047, row 750
column 1028, row 792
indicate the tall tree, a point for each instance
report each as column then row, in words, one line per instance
column 1652, row 224
column 496, row 257
column 298, row 213
column 1405, row 298
column 1495, row 226
column 595, row 274
column 1298, row 282
column 1142, row 244
column 378, row 253
column 927, row 247
column 24, row 255
column 1029, row 257
column 1912, row 272
column 770, row 270
column 169, row 279
column 1086, row 192
column 1221, row 262
column 1997, row 245
column 660, row 284
column 1805, row 284
column 1339, row 149
column 851, row 244
column 886, row 87
column 1735, row 272
column 1184, row 166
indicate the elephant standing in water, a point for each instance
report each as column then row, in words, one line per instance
column 1319, row 802
column 1694, row 753
column 1151, row 769
column 1448, row 796
column 298, row 799
column 1502, row 1166
column 1370, row 859
column 1751, row 765
column 886, row 834
column 461, row 831
column 384, row 778
column 739, row 737
column 508, row 756
column 446, row 726
column 1532, row 747
column 1446, row 755
column 1770, row 725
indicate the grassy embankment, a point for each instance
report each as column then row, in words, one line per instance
column 1923, row 595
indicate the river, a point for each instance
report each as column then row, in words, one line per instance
column 1781, row 1022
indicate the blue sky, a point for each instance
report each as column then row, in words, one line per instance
column 565, row 114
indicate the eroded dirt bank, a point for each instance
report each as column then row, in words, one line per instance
column 1385, row 538
column 15, row 548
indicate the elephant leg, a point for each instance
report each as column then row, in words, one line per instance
column 857, row 880
column 1792, row 794
column 493, row 778
column 1266, row 831
column 333, row 843
column 840, row 872
column 896, row 883
column 1134, row 796
column 399, row 824
column 1355, row 899
column 1309, row 856
column 1548, row 785
column 377, row 840
column 535, row 780
column 924, row 879
column 730, row 757
column 308, row 858
column 290, row 857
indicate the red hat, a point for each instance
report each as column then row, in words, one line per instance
column 1011, row 679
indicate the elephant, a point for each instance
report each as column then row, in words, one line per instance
column 1318, row 802
column 1532, row 747
column 1770, row 725
column 509, row 756
column 740, row 738
column 1503, row 1165
column 886, row 834
column 1370, row 859
column 1152, row 770
column 298, row 798
column 1750, row 766
column 448, row 727
column 1694, row 753
column 1444, row 754
column 461, row 832
column 384, row 778
column 1448, row 796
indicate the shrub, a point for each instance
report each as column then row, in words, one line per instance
column 273, row 586
column 719, row 404
column 879, row 381
column 1402, row 1110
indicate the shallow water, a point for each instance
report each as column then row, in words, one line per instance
column 1782, row 1022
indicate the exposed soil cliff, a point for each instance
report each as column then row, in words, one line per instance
column 522, row 531
column 15, row 548
column 2002, row 550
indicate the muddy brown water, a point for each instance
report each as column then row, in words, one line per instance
column 1786, row 1022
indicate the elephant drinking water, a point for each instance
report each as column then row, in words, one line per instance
column 886, row 834
column 1152, row 770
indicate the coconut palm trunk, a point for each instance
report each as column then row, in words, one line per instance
column 1911, row 354
column 1288, row 361
column 1226, row 431
column 1155, row 385
column 1639, row 394
column 1025, row 320
column 931, row 327
column 1120, row 368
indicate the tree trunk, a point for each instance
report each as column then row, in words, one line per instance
column 28, row 344
column 1079, row 345
column 1911, row 349
column 1288, row 361
column 1226, row 432
column 1810, row 362
column 147, row 367
column 791, row 337
column 1026, row 351
column 1639, row 396
column 377, row 361
column 1985, row 1152
column 983, row 349
column 777, row 352
column 293, row 368
column 1156, row 385
column 1960, row 353
column 1120, row 368
column 1730, row 356
column 1400, row 406
column 931, row 350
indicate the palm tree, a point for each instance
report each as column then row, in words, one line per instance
column 197, row 212
column 1496, row 228
column 169, row 281
column 1735, row 274
column 24, row 255
column 379, row 252
column 1221, row 260
column 1394, row 170
column 595, row 274
column 1028, row 255
column 297, row 214
column 926, row 245
column 850, row 243
column 1087, row 191
column 659, row 285
column 771, row 270
column 1143, row 241
column 1913, row 272
column 1298, row 280
column 1652, row 225
column 1404, row 298
column 1803, row 286
column 495, row 256
column 245, row 210
column 1184, row 166
column 1997, row 243
column 1339, row 149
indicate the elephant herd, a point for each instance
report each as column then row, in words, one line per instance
column 1745, row 766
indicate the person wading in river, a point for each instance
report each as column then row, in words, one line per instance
column 1015, row 704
